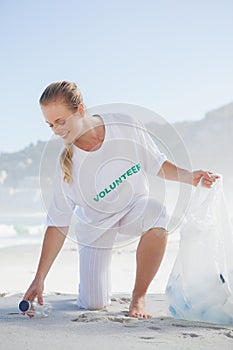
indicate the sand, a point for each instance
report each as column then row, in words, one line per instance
column 72, row 328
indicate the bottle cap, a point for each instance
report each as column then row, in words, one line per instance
column 24, row 305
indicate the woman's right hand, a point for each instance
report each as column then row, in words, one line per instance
column 36, row 289
column 53, row 241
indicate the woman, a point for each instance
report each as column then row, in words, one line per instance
column 102, row 178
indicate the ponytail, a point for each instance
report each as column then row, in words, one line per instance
column 66, row 163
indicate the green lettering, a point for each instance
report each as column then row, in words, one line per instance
column 134, row 169
column 96, row 198
column 113, row 185
column 119, row 181
column 138, row 166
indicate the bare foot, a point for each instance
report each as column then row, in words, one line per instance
column 138, row 307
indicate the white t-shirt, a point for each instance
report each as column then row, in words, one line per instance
column 107, row 181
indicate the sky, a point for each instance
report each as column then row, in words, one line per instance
column 174, row 57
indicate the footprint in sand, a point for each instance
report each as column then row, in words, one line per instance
column 89, row 317
column 229, row 334
column 122, row 300
column 192, row 335
column 122, row 319
column 94, row 317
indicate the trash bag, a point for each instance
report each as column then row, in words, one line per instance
column 200, row 286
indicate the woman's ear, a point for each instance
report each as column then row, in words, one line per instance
column 81, row 108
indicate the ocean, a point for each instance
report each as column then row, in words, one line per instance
column 21, row 229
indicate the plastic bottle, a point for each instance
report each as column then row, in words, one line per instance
column 33, row 309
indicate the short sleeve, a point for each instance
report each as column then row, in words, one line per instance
column 152, row 157
column 61, row 207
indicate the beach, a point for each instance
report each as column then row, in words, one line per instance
column 68, row 326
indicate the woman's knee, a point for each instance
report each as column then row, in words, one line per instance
column 155, row 214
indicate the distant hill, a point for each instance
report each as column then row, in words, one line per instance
column 15, row 166
column 209, row 141
column 25, row 164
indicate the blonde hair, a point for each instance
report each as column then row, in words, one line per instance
column 69, row 94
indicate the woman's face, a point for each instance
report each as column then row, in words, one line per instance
column 64, row 122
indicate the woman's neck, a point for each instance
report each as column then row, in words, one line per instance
column 93, row 138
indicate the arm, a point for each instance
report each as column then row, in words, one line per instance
column 53, row 242
column 170, row 171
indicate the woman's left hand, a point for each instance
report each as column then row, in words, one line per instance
column 208, row 178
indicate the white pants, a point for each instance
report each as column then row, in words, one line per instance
column 95, row 262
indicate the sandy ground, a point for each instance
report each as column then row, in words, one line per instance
column 72, row 328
